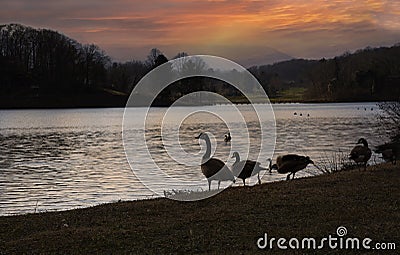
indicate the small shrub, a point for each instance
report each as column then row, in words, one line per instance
column 337, row 161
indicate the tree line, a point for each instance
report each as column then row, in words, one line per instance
column 40, row 62
column 48, row 61
column 367, row 74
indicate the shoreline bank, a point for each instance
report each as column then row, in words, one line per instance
column 365, row 202
column 98, row 102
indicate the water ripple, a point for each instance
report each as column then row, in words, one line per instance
column 63, row 159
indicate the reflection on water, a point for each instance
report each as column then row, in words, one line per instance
column 63, row 159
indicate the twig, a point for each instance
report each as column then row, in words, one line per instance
column 37, row 201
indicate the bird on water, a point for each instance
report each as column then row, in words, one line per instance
column 213, row 168
column 361, row 153
column 291, row 163
column 246, row 168
column 227, row 138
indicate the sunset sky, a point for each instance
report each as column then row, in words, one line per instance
column 237, row 29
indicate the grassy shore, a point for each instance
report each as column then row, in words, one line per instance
column 365, row 202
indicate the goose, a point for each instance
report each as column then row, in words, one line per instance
column 246, row 168
column 389, row 156
column 361, row 153
column 291, row 163
column 228, row 138
column 390, row 151
column 213, row 168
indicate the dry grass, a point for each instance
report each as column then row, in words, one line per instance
column 335, row 162
column 366, row 202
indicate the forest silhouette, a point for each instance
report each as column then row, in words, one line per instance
column 41, row 68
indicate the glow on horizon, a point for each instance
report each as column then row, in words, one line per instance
column 236, row 28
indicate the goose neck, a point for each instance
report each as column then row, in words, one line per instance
column 207, row 154
column 237, row 158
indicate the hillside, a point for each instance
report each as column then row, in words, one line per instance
column 370, row 74
column 39, row 67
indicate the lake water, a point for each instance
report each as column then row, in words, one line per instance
column 68, row 158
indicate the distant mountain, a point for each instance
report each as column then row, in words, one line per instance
column 290, row 70
column 270, row 56
column 245, row 55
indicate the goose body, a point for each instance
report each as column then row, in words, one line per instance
column 389, row 156
column 246, row 168
column 390, row 151
column 291, row 163
column 213, row 168
column 361, row 153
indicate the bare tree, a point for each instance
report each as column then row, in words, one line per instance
column 95, row 62
column 152, row 57
column 180, row 61
column 390, row 119
column 194, row 65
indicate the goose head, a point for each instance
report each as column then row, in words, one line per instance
column 363, row 141
column 202, row 136
column 235, row 155
column 309, row 161
column 273, row 167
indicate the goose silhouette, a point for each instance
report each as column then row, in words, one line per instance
column 246, row 168
column 291, row 163
column 228, row 138
column 361, row 153
column 213, row 168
